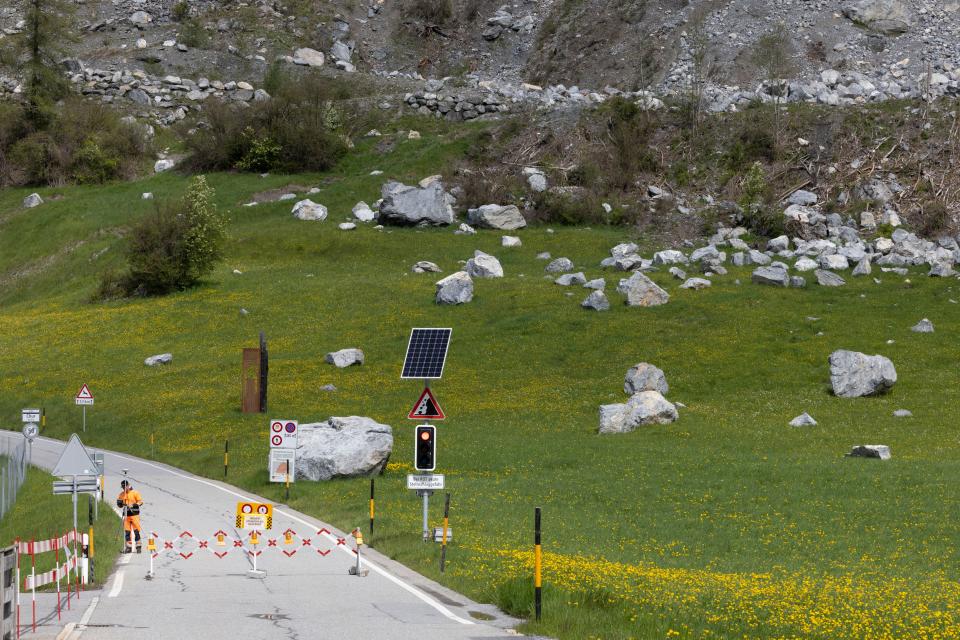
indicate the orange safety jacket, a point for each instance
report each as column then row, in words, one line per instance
column 130, row 498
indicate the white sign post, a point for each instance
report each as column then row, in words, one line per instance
column 84, row 398
column 284, row 437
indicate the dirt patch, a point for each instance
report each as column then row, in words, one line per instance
column 273, row 195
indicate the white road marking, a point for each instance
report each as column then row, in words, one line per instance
column 77, row 629
column 117, row 585
column 383, row 572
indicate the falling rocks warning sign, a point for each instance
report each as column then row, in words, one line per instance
column 426, row 408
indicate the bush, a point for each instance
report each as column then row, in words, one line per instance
column 84, row 143
column 299, row 129
column 629, row 129
column 180, row 11
column 171, row 248
column 428, row 11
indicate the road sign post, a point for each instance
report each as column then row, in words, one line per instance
column 84, row 398
column 425, row 359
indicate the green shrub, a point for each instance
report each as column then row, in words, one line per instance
column 436, row 12
column 193, row 34
column 84, row 143
column 299, row 129
column 180, row 11
column 172, row 247
column 580, row 207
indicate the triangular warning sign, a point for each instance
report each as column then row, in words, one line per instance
column 84, row 393
column 426, row 408
column 75, row 461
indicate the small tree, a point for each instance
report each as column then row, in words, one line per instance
column 38, row 51
column 173, row 247
column 772, row 56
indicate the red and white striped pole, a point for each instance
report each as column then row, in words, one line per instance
column 18, row 587
column 76, row 564
column 33, row 584
column 56, row 573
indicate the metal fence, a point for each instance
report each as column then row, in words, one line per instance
column 13, row 471
column 8, row 593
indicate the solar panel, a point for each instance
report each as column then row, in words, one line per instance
column 426, row 353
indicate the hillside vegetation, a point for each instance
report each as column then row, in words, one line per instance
column 727, row 523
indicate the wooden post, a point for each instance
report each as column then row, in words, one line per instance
column 250, row 381
column 264, row 370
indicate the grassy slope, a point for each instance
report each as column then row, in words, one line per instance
column 726, row 523
column 39, row 515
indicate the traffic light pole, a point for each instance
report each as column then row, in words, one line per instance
column 425, row 493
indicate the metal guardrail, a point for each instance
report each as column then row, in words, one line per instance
column 8, row 593
column 13, row 472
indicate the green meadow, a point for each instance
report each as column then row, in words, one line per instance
column 727, row 523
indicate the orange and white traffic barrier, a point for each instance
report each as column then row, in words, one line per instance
column 59, row 572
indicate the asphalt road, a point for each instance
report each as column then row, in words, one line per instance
column 306, row 593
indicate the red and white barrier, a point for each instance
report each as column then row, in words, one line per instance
column 61, row 571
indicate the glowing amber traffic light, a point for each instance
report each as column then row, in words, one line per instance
column 425, row 448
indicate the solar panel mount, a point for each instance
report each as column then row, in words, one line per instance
column 426, row 353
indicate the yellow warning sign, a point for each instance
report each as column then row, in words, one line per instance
column 254, row 515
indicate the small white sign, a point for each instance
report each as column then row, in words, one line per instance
column 30, row 431
column 30, row 415
column 282, row 464
column 420, row 483
column 254, row 522
column 284, row 434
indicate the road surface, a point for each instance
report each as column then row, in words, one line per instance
column 306, row 595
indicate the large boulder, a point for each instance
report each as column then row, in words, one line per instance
column 406, row 205
column 878, row 451
column 493, row 216
column 854, row 374
column 343, row 447
column 645, row 377
column 484, row 265
column 641, row 291
column 646, row 407
column 457, row 288
column 884, row 16
column 344, row 358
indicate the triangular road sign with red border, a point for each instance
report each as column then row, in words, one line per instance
column 426, row 408
column 84, row 393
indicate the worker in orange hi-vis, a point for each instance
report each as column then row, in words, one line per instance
column 130, row 502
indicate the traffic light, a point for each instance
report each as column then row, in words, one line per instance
column 425, row 448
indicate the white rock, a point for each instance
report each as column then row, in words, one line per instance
column 363, row 212
column 350, row 446
column 163, row 358
column 457, row 288
column 346, row 226
column 569, row 279
column 510, row 241
column 344, row 358
column 484, row 265
column 32, row 200
column 696, row 284
column 309, row 210
column 803, row 420
column 880, row 451
column 597, row 300
column 308, row 57
column 924, row 326
column 163, row 165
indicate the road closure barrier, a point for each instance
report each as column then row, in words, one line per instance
column 252, row 545
column 61, row 572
